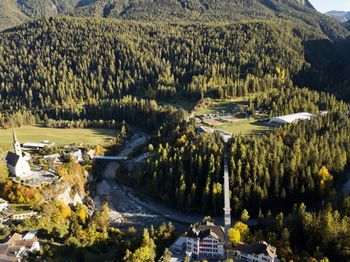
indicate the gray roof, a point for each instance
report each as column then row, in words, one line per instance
column 204, row 230
column 257, row 248
column 12, row 159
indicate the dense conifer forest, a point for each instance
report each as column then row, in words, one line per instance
column 281, row 57
column 63, row 67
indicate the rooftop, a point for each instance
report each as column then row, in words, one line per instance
column 12, row 159
column 38, row 144
column 208, row 229
column 3, row 201
column 292, row 117
column 257, row 248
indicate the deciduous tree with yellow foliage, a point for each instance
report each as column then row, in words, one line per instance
column 325, row 180
column 234, row 236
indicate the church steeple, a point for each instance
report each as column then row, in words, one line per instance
column 16, row 144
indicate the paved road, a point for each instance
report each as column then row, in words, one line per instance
column 227, row 195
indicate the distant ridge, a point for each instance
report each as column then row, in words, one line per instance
column 341, row 16
column 300, row 11
column 10, row 14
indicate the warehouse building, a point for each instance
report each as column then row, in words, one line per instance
column 288, row 119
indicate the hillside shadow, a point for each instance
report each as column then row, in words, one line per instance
column 94, row 130
column 83, row 3
column 329, row 66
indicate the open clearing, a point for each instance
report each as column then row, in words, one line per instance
column 217, row 106
column 231, row 123
column 87, row 136
column 245, row 127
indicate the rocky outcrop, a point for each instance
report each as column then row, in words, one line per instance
column 70, row 198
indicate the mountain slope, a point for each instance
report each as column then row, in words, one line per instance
column 37, row 8
column 341, row 16
column 10, row 14
column 76, row 61
column 212, row 10
column 68, row 66
column 347, row 25
column 300, row 11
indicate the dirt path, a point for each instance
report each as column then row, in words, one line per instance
column 137, row 139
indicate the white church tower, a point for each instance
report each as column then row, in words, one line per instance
column 16, row 144
column 16, row 162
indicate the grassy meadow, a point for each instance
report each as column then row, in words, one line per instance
column 87, row 136
column 245, row 127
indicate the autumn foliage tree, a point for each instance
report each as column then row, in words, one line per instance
column 17, row 193
column 234, row 236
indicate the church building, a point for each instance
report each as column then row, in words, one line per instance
column 16, row 161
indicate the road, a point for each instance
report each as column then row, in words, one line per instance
column 137, row 140
column 227, row 195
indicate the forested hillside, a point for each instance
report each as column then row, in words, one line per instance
column 65, row 64
column 60, row 65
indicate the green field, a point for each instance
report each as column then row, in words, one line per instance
column 218, row 106
column 87, row 136
column 245, row 127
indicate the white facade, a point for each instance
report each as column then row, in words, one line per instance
column 260, row 252
column 24, row 215
column 253, row 257
column 3, row 204
column 22, row 168
column 208, row 247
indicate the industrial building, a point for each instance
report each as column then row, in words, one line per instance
column 292, row 118
column 37, row 146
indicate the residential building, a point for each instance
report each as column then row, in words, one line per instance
column 18, row 246
column 24, row 215
column 38, row 146
column 3, row 204
column 258, row 252
column 204, row 241
column 77, row 155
